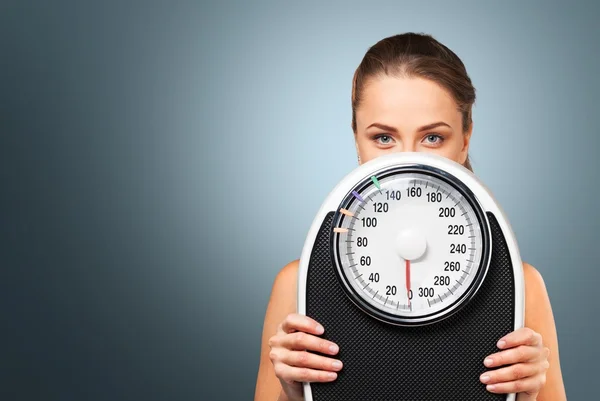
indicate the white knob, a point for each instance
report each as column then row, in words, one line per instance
column 410, row 244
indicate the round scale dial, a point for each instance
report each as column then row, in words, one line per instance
column 411, row 244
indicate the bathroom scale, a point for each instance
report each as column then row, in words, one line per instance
column 414, row 271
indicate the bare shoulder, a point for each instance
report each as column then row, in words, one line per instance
column 284, row 287
column 540, row 318
column 537, row 302
column 289, row 273
column 534, row 282
column 532, row 275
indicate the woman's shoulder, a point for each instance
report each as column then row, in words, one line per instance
column 534, row 282
column 284, row 286
column 290, row 270
column 538, row 312
column 288, row 275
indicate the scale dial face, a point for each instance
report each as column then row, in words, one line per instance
column 410, row 244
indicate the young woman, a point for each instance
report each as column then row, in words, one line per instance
column 410, row 93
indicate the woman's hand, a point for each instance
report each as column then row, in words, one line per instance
column 528, row 360
column 292, row 362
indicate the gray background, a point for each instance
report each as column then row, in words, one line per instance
column 161, row 162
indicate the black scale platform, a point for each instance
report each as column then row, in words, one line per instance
column 383, row 362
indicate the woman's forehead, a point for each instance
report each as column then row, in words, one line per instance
column 406, row 101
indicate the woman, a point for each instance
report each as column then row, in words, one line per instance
column 410, row 93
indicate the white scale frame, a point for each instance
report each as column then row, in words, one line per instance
column 483, row 196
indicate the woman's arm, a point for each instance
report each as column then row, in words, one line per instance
column 281, row 303
column 539, row 317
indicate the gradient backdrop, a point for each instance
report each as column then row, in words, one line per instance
column 161, row 162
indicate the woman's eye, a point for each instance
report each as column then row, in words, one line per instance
column 383, row 139
column 431, row 138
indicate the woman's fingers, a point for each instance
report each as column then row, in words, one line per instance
column 530, row 385
column 302, row 366
column 291, row 353
column 305, row 359
column 303, row 341
column 297, row 374
column 527, row 361
column 522, row 353
column 296, row 322
column 512, row 373
column 522, row 336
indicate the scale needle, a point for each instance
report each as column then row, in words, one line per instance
column 408, row 280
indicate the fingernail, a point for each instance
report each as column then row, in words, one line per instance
column 501, row 343
column 332, row 375
column 333, row 348
column 320, row 329
column 336, row 364
column 488, row 361
column 485, row 378
column 490, row 387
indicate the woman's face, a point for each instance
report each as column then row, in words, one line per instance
column 409, row 115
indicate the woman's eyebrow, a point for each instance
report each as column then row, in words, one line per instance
column 433, row 125
column 423, row 128
column 383, row 127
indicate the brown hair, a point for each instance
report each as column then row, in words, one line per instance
column 417, row 54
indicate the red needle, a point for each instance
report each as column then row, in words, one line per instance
column 408, row 280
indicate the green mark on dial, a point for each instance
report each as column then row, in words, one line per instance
column 374, row 179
